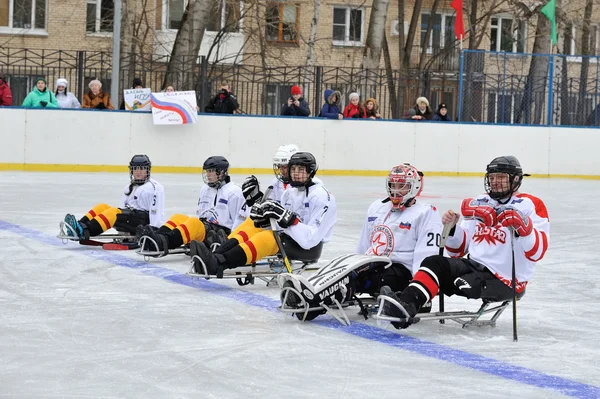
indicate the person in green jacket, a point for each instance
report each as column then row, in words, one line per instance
column 40, row 96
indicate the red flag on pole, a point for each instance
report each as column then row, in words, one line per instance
column 459, row 26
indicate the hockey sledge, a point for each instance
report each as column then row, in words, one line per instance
column 119, row 241
column 267, row 270
column 491, row 311
column 307, row 298
column 148, row 248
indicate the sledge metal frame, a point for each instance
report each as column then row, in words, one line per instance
column 148, row 254
column 64, row 236
column 464, row 318
column 248, row 274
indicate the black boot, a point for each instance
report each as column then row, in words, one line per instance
column 392, row 310
column 214, row 263
column 161, row 240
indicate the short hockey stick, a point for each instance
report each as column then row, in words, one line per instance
column 514, row 285
column 445, row 233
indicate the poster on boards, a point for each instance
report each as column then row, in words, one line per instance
column 174, row 108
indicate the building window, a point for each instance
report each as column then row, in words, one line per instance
column 226, row 15
column 100, row 16
column 442, row 31
column 507, row 35
column 175, row 10
column 348, row 26
column 282, row 23
column 23, row 14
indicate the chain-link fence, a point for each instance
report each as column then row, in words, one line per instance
column 531, row 89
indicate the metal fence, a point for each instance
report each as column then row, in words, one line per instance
column 531, row 89
column 489, row 87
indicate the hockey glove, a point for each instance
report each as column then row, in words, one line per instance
column 260, row 221
column 471, row 209
column 251, row 190
column 514, row 219
column 274, row 210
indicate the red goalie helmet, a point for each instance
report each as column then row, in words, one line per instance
column 403, row 184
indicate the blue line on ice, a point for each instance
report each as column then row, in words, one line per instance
column 416, row 345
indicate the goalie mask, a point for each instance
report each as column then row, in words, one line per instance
column 214, row 171
column 403, row 184
column 139, row 169
column 301, row 169
column 503, row 178
column 281, row 159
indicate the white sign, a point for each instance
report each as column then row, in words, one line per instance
column 137, row 99
column 174, row 108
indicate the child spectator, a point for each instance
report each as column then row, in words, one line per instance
column 442, row 113
column 372, row 109
column 354, row 109
column 296, row 105
column 332, row 108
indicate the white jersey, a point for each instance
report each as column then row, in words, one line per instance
column 317, row 214
column 149, row 197
column 278, row 189
column 220, row 206
column 491, row 246
column 406, row 236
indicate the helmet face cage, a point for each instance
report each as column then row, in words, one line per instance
column 309, row 162
column 139, row 162
column 403, row 184
column 508, row 166
column 281, row 159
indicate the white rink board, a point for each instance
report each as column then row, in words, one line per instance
column 110, row 138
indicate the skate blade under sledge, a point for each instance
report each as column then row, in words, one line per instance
column 267, row 270
column 148, row 248
column 464, row 318
column 92, row 241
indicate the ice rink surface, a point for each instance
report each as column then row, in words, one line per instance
column 78, row 322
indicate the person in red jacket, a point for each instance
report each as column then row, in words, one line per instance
column 355, row 108
column 5, row 93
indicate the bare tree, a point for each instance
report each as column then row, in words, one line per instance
column 585, row 61
column 184, row 56
column 375, row 35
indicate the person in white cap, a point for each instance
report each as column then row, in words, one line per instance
column 355, row 108
column 65, row 99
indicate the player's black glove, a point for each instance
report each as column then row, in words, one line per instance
column 43, row 103
column 274, row 210
column 257, row 216
column 251, row 190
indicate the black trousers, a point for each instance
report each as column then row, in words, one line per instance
column 467, row 278
column 129, row 219
column 296, row 252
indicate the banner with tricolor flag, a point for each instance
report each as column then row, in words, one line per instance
column 174, row 108
column 459, row 25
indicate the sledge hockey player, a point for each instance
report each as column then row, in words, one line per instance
column 306, row 215
column 142, row 202
column 398, row 227
column 251, row 186
column 219, row 203
column 485, row 234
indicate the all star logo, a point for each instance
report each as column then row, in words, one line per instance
column 382, row 241
column 491, row 235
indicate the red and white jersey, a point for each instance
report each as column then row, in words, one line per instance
column 279, row 188
column 407, row 236
column 491, row 246
column 220, row 206
column 316, row 211
column 149, row 197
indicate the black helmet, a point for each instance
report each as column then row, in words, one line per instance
column 220, row 165
column 506, row 164
column 307, row 160
column 139, row 162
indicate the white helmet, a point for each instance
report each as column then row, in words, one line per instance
column 282, row 158
column 403, row 184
